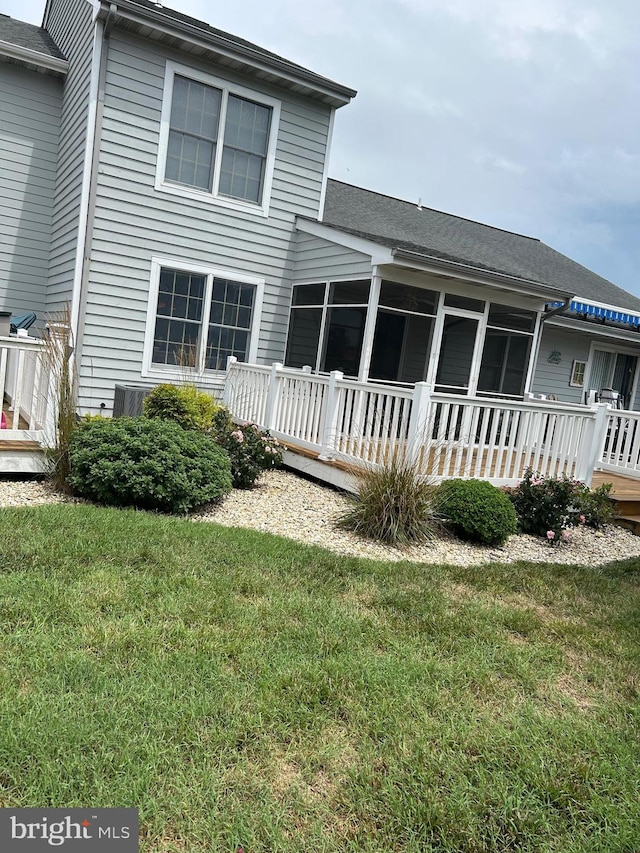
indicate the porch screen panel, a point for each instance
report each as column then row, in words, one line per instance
column 456, row 353
column 344, row 336
column 417, row 346
column 504, row 363
column 304, row 337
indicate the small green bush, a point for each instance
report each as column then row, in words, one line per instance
column 185, row 405
column 477, row 511
column 250, row 450
column 147, row 463
column 545, row 504
column 393, row 504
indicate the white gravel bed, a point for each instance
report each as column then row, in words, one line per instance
column 292, row 506
column 288, row 505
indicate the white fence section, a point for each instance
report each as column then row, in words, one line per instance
column 621, row 446
column 445, row 434
column 24, row 381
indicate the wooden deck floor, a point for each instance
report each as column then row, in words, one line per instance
column 624, row 488
column 9, row 417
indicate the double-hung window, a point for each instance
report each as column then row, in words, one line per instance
column 217, row 140
column 198, row 317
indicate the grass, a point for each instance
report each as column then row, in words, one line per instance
column 240, row 689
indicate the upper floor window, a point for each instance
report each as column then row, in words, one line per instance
column 217, row 140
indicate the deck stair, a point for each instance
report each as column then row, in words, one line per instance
column 625, row 496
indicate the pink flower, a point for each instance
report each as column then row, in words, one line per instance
column 237, row 434
column 582, row 519
column 551, row 535
column 566, row 536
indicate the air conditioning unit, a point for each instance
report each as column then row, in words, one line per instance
column 127, row 400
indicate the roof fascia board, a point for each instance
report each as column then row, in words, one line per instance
column 568, row 323
column 466, row 272
column 340, row 94
column 33, row 57
column 378, row 254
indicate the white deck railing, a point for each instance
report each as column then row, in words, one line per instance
column 24, row 382
column 621, row 446
column 447, row 435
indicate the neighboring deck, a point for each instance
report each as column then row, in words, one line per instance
column 24, row 391
column 625, row 495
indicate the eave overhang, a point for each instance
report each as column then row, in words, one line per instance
column 382, row 254
column 32, row 59
column 223, row 49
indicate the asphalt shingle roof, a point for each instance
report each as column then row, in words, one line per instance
column 159, row 12
column 401, row 224
column 29, row 36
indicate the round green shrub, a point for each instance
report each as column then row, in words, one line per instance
column 477, row 511
column 184, row 405
column 148, row 464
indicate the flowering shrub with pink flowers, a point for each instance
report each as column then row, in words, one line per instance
column 548, row 506
column 251, row 450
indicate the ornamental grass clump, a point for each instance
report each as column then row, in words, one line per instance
column 477, row 511
column 394, row 504
column 148, row 464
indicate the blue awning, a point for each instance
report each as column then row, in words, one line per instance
column 599, row 311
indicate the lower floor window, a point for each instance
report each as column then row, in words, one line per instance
column 200, row 318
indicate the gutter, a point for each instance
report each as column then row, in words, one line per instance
column 492, row 275
column 33, row 57
column 559, row 310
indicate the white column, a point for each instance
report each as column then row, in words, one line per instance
column 370, row 326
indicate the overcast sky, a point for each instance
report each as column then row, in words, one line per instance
column 523, row 114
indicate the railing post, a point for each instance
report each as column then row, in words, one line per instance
column 593, row 444
column 226, row 391
column 417, row 432
column 271, row 409
column 331, row 413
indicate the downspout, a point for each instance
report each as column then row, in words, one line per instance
column 536, row 351
column 559, row 310
column 81, row 303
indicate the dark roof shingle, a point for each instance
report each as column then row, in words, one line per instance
column 28, row 36
column 401, row 224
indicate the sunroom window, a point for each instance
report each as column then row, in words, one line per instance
column 507, row 347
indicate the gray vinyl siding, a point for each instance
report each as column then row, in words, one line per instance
column 70, row 24
column 29, row 126
column 551, row 378
column 134, row 222
column 318, row 259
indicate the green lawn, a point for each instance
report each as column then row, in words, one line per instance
column 240, row 689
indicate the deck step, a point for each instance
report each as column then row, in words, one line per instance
column 22, row 457
column 629, row 522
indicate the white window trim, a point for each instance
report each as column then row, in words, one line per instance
column 572, row 381
column 616, row 349
column 168, row 373
column 227, row 88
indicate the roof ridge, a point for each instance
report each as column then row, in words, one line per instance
column 435, row 210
